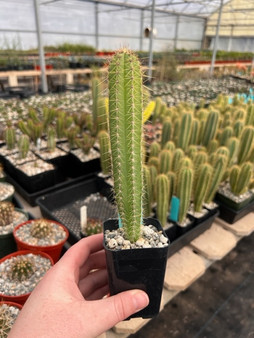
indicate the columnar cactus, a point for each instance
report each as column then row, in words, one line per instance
column 177, row 156
column 210, row 128
column 157, row 109
column 238, row 127
column 125, row 126
column 219, row 167
column 192, row 151
column 184, row 131
column 232, row 145
column 170, row 146
column 240, row 178
column 201, row 186
column 6, row 213
column 102, row 119
column 212, row 146
column 165, row 161
column 96, row 91
column 10, row 138
column 183, row 191
column 85, row 143
column 195, row 128
column 166, row 132
column 41, row 228
column 105, row 157
column 154, row 161
column 172, row 184
column 249, row 121
column 155, row 149
column 153, row 174
column 147, row 195
column 162, row 198
column 51, row 139
column 23, row 145
column 225, row 135
column 60, row 125
column 246, row 143
column 21, row 269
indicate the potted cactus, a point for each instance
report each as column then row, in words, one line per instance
column 21, row 271
column 132, row 260
column 8, row 314
column 6, row 191
column 41, row 235
column 9, row 218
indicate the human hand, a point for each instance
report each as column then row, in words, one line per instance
column 68, row 300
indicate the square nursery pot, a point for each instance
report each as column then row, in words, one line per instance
column 220, row 198
column 230, row 215
column 178, row 240
column 137, row 269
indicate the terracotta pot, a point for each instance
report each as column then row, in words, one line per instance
column 19, row 306
column 21, row 299
column 54, row 251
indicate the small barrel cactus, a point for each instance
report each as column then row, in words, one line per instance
column 21, row 269
column 41, row 228
column 93, row 226
column 6, row 320
column 6, row 213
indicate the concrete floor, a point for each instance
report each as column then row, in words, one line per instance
column 220, row 304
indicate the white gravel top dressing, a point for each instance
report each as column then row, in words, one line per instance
column 18, row 217
column 225, row 190
column 11, row 313
column 6, row 190
column 56, row 236
column 150, row 238
column 35, row 168
column 9, row 287
column 85, row 158
column 48, row 155
column 16, row 160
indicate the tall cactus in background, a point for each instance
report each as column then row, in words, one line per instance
column 177, row 156
column 165, row 161
column 162, row 198
column 60, row 125
column 125, row 126
column 166, row 132
column 240, row 178
column 155, row 149
column 225, row 135
column 183, row 191
column 154, row 161
column 96, row 92
column 172, row 184
column 238, row 127
column 201, row 185
column 232, row 145
column 246, row 143
column 23, row 146
column 170, row 146
column 192, row 151
column 184, row 131
column 212, row 146
column 249, row 121
column 219, row 167
column 210, row 128
column 195, row 128
column 176, row 130
column 105, row 157
column 102, row 119
column 10, row 137
column 147, row 194
column 157, row 109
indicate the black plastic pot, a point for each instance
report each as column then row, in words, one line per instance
column 232, row 204
column 137, row 269
column 178, row 240
column 231, row 215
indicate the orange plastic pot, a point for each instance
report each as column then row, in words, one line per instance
column 19, row 306
column 53, row 250
column 21, row 299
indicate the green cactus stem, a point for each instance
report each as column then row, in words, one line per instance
column 162, row 198
column 49, row 115
column 165, row 161
column 195, row 128
column 10, row 138
column 153, row 175
column 177, row 156
column 85, row 143
column 212, row 146
column 71, row 135
column 172, row 184
column 155, row 149
column 219, row 167
column 239, row 114
column 170, row 146
column 238, row 127
column 233, row 146
column 201, row 186
column 176, row 130
column 210, row 128
column 102, row 119
column 157, row 109
column 184, row 131
column 51, row 139
column 240, row 178
column 147, row 195
column 192, row 151
column 154, row 161
column 105, row 157
column 41, row 228
column 93, row 226
column 249, row 121
column 6, row 213
column 23, row 146
column 225, row 135
column 21, row 269
column 96, row 93
column 246, row 143
column 166, row 132
column 125, row 126
column 183, row 191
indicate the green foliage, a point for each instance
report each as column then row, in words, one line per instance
column 125, row 126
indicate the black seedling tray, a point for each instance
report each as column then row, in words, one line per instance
column 31, row 197
column 230, row 215
column 177, row 241
column 64, row 205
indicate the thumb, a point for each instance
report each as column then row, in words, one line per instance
column 116, row 308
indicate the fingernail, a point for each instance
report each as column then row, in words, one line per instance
column 140, row 299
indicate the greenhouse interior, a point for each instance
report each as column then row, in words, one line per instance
column 126, row 136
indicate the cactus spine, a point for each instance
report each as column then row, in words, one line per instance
column 210, row 128
column 166, row 132
column 240, row 178
column 105, row 158
column 125, row 125
column 183, row 191
column 162, row 198
column 41, row 228
column 201, row 186
column 165, row 161
column 21, row 269
column 23, row 145
column 246, row 142
column 184, row 131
